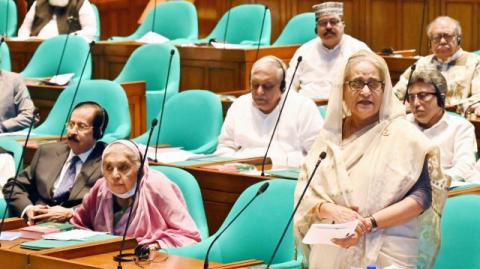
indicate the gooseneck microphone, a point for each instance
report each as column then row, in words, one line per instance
column 412, row 69
column 261, row 190
column 172, row 52
column 154, row 16
column 322, row 156
column 226, row 26
column 5, row 33
column 261, row 32
column 299, row 59
column 14, row 181
column 69, row 21
column 92, row 43
column 120, row 256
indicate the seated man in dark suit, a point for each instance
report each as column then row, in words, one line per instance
column 61, row 173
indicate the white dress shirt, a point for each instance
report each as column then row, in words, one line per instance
column 86, row 16
column 78, row 166
column 7, row 169
column 319, row 65
column 247, row 130
column 455, row 136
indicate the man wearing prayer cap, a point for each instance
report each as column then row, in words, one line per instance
column 321, row 55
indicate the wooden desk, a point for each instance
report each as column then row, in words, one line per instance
column 398, row 65
column 90, row 257
column 45, row 96
column 474, row 190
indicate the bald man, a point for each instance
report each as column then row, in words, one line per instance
column 250, row 120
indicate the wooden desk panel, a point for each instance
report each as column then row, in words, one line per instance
column 45, row 96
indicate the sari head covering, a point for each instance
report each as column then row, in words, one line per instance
column 159, row 213
column 372, row 169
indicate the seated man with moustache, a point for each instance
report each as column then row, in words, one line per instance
column 60, row 174
column 454, row 135
column 250, row 120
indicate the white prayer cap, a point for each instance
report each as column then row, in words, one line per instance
column 328, row 8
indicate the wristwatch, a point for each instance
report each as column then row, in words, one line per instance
column 374, row 223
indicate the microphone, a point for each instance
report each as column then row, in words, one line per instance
column 412, row 69
column 226, row 26
column 76, row 88
column 261, row 32
column 5, row 33
column 261, row 190
column 172, row 52
column 14, row 181
column 121, row 257
column 322, row 156
column 299, row 59
column 154, row 16
column 70, row 19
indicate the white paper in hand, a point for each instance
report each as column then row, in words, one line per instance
column 76, row 234
column 324, row 233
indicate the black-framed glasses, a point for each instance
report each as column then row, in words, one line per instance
column 438, row 37
column 81, row 127
column 372, row 84
column 333, row 22
column 421, row 96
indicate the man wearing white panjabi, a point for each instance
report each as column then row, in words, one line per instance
column 250, row 120
column 322, row 55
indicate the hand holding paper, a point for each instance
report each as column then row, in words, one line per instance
column 324, row 233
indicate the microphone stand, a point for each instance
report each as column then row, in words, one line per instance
column 226, row 27
column 412, row 69
column 69, row 21
column 32, row 122
column 5, row 33
column 172, row 52
column 322, row 156
column 76, row 88
column 154, row 16
column 261, row 32
column 299, row 59
column 119, row 257
column 261, row 190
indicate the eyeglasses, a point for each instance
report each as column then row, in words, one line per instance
column 421, row 96
column 438, row 38
column 81, row 127
column 358, row 85
column 333, row 22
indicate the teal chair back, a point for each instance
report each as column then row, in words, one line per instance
column 5, row 63
column 244, row 25
column 173, row 20
column 150, row 64
column 45, row 60
column 256, row 232
column 8, row 18
column 97, row 18
column 108, row 94
column 460, row 226
column 192, row 120
column 14, row 147
column 323, row 111
column 298, row 30
column 477, row 52
column 191, row 192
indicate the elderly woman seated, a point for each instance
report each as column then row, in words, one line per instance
column 380, row 171
column 159, row 216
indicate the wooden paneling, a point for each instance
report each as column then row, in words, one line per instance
column 466, row 13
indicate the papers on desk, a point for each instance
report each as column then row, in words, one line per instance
column 75, row 234
column 60, row 80
column 324, row 233
column 170, row 155
column 152, row 37
column 10, row 236
column 221, row 45
column 19, row 133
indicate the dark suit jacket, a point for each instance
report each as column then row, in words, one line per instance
column 35, row 183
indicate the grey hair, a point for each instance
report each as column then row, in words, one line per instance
column 458, row 28
column 131, row 155
column 430, row 76
column 277, row 62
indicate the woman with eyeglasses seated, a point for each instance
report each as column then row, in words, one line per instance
column 159, row 218
column 379, row 170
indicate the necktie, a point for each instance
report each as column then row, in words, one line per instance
column 67, row 180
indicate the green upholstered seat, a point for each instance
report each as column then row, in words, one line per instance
column 191, row 193
column 8, row 19
column 299, row 30
column 5, row 63
column 14, row 147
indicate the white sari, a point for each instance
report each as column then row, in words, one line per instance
column 372, row 169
